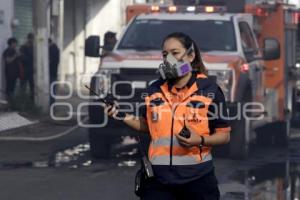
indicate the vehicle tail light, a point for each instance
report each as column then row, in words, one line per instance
column 296, row 17
column 245, row 67
column 261, row 12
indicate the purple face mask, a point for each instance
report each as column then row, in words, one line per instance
column 171, row 68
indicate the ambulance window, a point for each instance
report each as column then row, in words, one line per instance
column 247, row 39
column 148, row 34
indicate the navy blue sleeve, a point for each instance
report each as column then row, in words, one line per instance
column 143, row 111
column 218, row 114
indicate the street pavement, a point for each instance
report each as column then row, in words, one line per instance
column 62, row 168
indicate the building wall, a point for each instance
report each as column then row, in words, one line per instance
column 23, row 14
column 6, row 17
column 81, row 19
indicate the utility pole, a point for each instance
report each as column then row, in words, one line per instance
column 41, row 60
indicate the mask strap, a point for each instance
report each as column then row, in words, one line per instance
column 188, row 51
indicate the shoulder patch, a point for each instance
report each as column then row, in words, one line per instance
column 157, row 83
column 155, row 86
column 206, row 86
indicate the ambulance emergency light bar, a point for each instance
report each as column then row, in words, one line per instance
column 199, row 2
column 189, row 9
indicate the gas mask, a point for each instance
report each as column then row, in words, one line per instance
column 171, row 68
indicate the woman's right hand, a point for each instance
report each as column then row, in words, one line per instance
column 111, row 110
column 137, row 123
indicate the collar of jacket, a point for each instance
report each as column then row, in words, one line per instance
column 167, row 87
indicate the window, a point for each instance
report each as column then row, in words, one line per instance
column 247, row 39
column 209, row 35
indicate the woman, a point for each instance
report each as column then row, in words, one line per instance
column 183, row 100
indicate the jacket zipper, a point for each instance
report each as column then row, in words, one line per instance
column 172, row 135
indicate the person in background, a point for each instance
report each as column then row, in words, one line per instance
column 110, row 41
column 53, row 66
column 26, row 51
column 11, row 66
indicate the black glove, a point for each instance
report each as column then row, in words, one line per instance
column 112, row 103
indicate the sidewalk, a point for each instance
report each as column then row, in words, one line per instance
column 45, row 129
column 12, row 119
column 16, row 125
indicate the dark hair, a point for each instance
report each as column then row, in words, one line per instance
column 30, row 36
column 108, row 35
column 11, row 41
column 187, row 42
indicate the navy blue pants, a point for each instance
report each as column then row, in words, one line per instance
column 204, row 188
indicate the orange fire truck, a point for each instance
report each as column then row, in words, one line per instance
column 279, row 21
column 251, row 54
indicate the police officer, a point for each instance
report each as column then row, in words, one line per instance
column 185, row 114
column 11, row 64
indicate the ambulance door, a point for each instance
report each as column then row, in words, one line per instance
column 253, row 56
column 290, row 33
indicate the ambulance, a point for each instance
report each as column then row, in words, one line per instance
column 250, row 54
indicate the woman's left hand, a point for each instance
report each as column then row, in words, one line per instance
column 194, row 140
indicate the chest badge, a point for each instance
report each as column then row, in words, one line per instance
column 194, row 119
column 154, row 116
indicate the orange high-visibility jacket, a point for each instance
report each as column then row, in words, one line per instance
column 168, row 110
